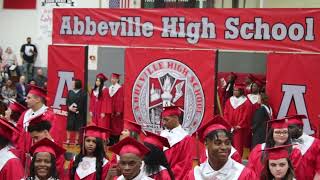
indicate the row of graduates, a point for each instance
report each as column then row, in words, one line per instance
column 179, row 155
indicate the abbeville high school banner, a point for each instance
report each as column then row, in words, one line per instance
column 155, row 78
column 293, row 87
column 237, row 29
column 65, row 64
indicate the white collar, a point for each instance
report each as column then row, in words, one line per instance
column 140, row 176
column 51, row 178
column 160, row 169
column 254, row 98
column 174, row 135
column 5, row 156
column 88, row 166
column 268, row 109
column 307, row 142
column 236, row 102
column 30, row 114
column 113, row 89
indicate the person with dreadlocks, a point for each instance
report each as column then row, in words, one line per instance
column 90, row 163
column 43, row 166
column 156, row 164
column 100, row 103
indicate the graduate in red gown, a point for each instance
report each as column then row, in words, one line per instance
column 44, row 155
column 90, row 163
column 14, row 111
column 131, row 153
column 238, row 112
column 116, row 93
column 10, row 165
column 100, row 103
column 156, row 165
column 39, row 128
column 35, row 100
column 278, row 164
column 309, row 146
column 277, row 135
column 217, row 138
column 179, row 154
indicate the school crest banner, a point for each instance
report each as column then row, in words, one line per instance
column 155, row 78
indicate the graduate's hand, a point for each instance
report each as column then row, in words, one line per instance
column 91, row 114
column 118, row 113
column 103, row 115
column 113, row 172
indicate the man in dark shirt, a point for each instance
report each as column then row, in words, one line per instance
column 28, row 53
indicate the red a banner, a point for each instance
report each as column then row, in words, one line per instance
column 19, row 4
column 160, row 77
column 65, row 64
column 293, row 87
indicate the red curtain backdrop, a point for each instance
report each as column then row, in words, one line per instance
column 149, row 72
column 19, row 4
column 235, row 29
column 63, row 59
column 299, row 74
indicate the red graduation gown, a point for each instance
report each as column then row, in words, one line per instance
column 310, row 163
column 239, row 116
column 255, row 164
column 117, row 105
column 180, row 157
column 12, row 170
column 92, row 176
column 98, row 106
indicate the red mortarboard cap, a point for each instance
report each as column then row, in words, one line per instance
column 36, row 90
column 7, row 129
column 216, row 123
column 278, row 123
column 233, row 74
column 296, row 119
column 171, row 111
column 156, row 140
column 251, row 77
column 132, row 126
column 95, row 131
column 17, row 107
column 102, row 76
column 129, row 145
column 278, row 152
column 38, row 119
column 46, row 145
column 239, row 86
column 115, row 75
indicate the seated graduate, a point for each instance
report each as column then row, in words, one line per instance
column 155, row 162
column 90, row 163
column 10, row 164
column 44, row 155
column 278, row 165
column 217, row 138
column 131, row 154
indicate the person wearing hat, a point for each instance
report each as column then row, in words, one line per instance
column 76, row 103
column 14, row 111
column 217, row 138
column 309, row 146
column 278, row 165
column 277, row 135
column 249, row 80
column 228, row 92
column 36, row 99
column 179, row 159
column 90, row 163
column 117, row 104
column 259, row 121
column 238, row 112
column 100, row 103
column 39, row 128
column 131, row 154
column 156, row 165
column 44, row 155
column 10, row 164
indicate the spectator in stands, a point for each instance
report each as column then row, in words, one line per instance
column 29, row 54
column 9, row 62
column 22, row 91
column 39, row 78
column 8, row 92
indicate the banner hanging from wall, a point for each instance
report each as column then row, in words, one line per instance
column 235, row 29
column 297, row 91
column 161, row 78
column 65, row 64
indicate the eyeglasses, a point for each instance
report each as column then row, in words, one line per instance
column 280, row 133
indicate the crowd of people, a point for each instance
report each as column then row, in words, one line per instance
column 28, row 150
